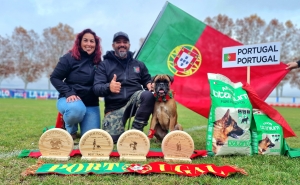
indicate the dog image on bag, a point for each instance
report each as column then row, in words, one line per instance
column 264, row 144
column 164, row 116
column 223, row 128
column 245, row 120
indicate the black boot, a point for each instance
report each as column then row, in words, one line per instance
column 139, row 125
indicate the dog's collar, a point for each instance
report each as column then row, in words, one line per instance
column 164, row 98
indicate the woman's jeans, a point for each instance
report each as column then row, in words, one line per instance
column 76, row 112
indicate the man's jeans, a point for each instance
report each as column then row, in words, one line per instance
column 76, row 112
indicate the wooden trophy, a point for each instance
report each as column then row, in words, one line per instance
column 96, row 145
column 133, row 145
column 177, row 146
column 57, row 144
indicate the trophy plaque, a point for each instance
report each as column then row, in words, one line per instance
column 133, row 145
column 177, row 146
column 96, row 145
column 57, row 144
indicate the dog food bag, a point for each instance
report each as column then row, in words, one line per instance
column 228, row 131
column 267, row 135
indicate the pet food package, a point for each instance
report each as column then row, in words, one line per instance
column 267, row 135
column 228, row 130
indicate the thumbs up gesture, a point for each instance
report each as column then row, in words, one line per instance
column 114, row 86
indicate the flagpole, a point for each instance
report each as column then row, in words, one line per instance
column 248, row 74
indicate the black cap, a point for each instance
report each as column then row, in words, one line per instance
column 120, row 34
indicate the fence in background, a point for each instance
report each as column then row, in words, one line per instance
column 283, row 101
column 53, row 94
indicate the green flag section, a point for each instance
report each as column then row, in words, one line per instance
column 182, row 46
column 190, row 170
column 229, row 57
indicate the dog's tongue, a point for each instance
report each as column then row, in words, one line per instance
column 161, row 91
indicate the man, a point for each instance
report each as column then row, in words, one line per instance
column 121, row 80
column 293, row 65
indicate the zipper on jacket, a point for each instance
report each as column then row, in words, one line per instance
column 125, row 79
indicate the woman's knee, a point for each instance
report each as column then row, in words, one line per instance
column 75, row 111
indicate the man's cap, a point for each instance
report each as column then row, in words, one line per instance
column 120, row 34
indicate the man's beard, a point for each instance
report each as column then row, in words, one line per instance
column 122, row 54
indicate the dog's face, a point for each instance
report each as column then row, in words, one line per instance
column 161, row 84
column 223, row 128
column 264, row 144
column 229, row 126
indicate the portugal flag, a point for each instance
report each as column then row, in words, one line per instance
column 186, row 48
column 229, row 57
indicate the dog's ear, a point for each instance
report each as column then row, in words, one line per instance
column 171, row 78
column 153, row 78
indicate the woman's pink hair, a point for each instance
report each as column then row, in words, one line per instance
column 75, row 49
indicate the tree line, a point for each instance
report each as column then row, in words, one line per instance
column 27, row 55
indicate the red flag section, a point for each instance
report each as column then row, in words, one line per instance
column 59, row 121
column 258, row 103
column 182, row 46
column 194, row 94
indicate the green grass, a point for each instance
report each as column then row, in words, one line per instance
column 22, row 122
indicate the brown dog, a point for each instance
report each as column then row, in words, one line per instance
column 264, row 144
column 164, row 116
column 223, row 128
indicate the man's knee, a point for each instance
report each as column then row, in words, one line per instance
column 147, row 98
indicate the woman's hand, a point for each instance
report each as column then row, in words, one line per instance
column 73, row 98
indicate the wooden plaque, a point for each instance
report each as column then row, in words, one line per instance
column 133, row 145
column 96, row 145
column 177, row 146
column 56, row 143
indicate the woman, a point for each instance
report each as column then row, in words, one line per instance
column 73, row 78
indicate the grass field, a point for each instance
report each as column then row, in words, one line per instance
column 22, row 122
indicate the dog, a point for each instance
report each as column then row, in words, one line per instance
column 164, row 116
column 264, row 144
column 223, row 128
column 245, row 120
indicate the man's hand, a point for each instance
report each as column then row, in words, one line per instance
column 150, row 86
column 114, row 86
column 292, row 65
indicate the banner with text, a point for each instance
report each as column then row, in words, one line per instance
column 251, row 55
column 30, row 94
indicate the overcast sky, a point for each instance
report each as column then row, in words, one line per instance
column 134, row 17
